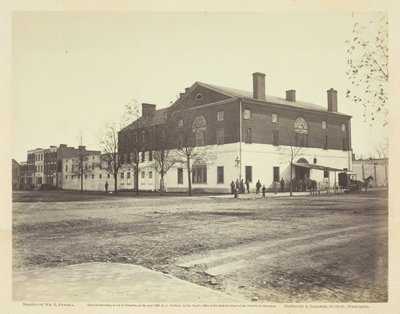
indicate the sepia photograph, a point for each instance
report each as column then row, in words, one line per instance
column 200, row 158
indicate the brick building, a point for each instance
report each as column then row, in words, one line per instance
column 43, row 168
column 248, row 132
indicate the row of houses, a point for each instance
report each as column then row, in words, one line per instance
column 249, row 134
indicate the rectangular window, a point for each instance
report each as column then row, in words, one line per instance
column 150, row 155
column 325, row 141
column 143, row 137
column 220, row 174
column 100, row 176
column 323, row 125
column 220, row 136
column 343, row 127
column 275, row 139
column 276, row 174
column 275, row 118
column 199, row 138
column 180, row 123
column 108, row 176
column 248, row 135
column 92, row 166
column 66, row 168
column 249, row 173
column 220, row 115
column 143, row 156
column 72, row 177
column 199, row 174
column 326, row 174
column 301, row 140
column 128, row 175
column 92, row 176
column 246, row 114
column 143, row 174
column 66, row 177
column 85, row 176
column 150, row 174
column 122, row 175
column 180, row 176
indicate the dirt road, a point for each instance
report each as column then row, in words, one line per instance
column 327, row 248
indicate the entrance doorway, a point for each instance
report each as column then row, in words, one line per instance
column 300, row 175
column 302, row 172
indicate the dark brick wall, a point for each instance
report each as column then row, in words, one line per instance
column 262, row 126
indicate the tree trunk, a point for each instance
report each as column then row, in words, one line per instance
column 162, row 183
column 137, row 179
column 291, row 178
column 115, row 182
column 81, row 181
column 189, row 181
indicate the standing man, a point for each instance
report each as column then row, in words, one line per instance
column 282, row 185
column 232, row 187
column 248, row 185
column 258, row 186
column 106, row 187
column 263, row 190
column 237, row 184
column 242, row 190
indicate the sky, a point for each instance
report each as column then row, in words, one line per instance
column 73, row 71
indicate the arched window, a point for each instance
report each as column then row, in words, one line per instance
column 301, row 126
column 301, row 132
column 199, row 128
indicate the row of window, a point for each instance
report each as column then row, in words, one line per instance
column 199, row 174
column 38, row 157
column 275, row 119
column 122, row 175
column 39, row 168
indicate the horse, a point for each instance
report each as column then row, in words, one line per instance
column 311, row 185
column 357, row 185
column 364, row 183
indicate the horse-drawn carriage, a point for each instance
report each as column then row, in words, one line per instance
column 349, row 183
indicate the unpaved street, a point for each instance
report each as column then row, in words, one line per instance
column 325, row 248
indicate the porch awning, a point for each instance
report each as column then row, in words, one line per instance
column 314, row 166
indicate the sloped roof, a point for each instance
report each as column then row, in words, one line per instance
column 157, row 119
column 233, row 92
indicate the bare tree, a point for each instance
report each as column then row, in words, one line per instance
column 290, row 153
column 111, row 160
column 368, row 68
column 131, row 142
column 190, row 145
column 164, row 157
column 382, row 149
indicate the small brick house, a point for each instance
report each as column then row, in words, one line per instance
column 250, row 134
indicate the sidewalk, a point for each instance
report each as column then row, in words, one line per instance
column 253, row 195
column 110, row 283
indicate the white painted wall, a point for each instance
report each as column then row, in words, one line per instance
column 262, row 158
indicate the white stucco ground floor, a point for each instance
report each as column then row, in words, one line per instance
column 230, row 162
column 266, row 163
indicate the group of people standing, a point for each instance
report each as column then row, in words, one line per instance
column 240, row 187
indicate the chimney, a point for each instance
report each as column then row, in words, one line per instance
column 332, row 100
column 291, row 95
column 82, row 147
column 148, row 110
column 63, row 145
column 259, row 86
column 181, row 95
